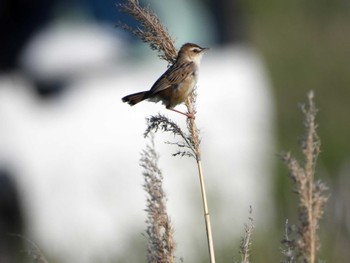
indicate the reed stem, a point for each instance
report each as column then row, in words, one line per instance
column 191, row 125
column 206, row 213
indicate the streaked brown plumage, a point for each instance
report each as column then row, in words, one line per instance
column 174, row 86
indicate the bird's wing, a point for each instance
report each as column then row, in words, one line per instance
column 173, row 76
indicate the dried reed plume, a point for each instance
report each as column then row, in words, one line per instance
column 151, row 31
column 288, row 249
column 191, row 124
column 186, row 147
column 161, row 246
column 246, row 241
column 311, row 193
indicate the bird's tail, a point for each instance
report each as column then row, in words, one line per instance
column 135, row 98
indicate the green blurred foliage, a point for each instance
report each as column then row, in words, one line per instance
column 306, row 45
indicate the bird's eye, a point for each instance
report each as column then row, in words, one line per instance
column 195, row 50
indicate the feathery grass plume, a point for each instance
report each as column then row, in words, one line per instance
column 33, row 251
column 191, row 124
column 288, row 249
column 312, row 194
column 150, row 30
column 161, row 246
column 161, row 122
column 246, row 241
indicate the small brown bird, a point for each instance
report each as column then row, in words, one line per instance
column 174, row 86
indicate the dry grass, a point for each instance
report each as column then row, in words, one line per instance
column 161, row 245
column 311, row 193
column 150, row 30
column 246, row 241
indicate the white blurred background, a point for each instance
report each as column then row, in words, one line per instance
column 69, row 148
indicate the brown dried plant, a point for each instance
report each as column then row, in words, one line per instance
column 288, row 249
column 151, row 31
column 161, row 245
column 246, row 241
column 161, row 122
column 311, row 193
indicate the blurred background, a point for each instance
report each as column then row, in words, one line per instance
column 69, row 149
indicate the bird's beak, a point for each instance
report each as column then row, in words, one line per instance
column 205, row 48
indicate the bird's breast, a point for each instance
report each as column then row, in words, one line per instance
column 181, row 91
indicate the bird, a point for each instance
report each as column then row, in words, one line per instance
column 176, row 83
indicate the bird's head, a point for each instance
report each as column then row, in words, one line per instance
column 191, row 52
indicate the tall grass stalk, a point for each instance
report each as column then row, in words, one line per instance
column 311, row 193
column 246, row 241
column 191, row 125
column 161, row 245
